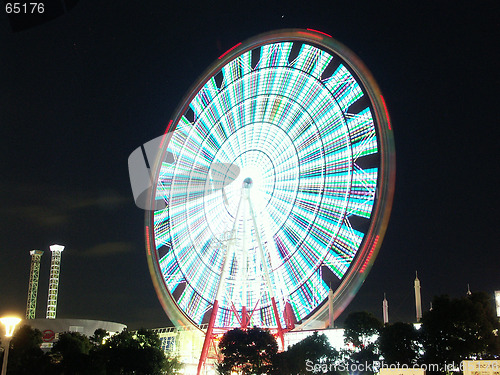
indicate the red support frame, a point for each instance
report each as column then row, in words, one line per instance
column 208, row 337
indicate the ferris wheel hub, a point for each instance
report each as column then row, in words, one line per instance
column 247, row 183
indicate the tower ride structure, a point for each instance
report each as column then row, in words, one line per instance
column 55, row 269
column 36, row 256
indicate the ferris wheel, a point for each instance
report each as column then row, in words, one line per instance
column 277, row 176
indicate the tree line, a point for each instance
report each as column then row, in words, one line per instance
column 125, row 353
column 454, row 330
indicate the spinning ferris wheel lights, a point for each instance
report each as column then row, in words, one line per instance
column 305, row 124
column 320, row 32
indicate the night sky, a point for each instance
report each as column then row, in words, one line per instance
column 79, row 93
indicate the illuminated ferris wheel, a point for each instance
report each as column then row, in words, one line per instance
column 277, row 173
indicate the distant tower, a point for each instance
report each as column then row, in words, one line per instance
column 418, row 301
column 331, row 322
column 468, row 290
column 497, row 302
column 385, row 309
column 55, row 268
column 36, row 256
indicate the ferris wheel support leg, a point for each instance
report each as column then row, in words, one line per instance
column 208, row 337
column 244, row 317
column 211, row 323
column 266, row 273
column 280, row 329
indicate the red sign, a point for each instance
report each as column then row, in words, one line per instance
column 48, row 335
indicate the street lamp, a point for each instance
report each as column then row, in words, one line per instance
column 10, row 324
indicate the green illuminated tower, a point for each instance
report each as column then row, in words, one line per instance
column 36, row 256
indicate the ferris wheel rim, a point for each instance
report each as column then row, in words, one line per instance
column 382, row 204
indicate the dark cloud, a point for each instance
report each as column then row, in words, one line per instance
column 107, row 249
column 47, row 206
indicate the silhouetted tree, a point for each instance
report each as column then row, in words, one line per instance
column 97, row 339
column 76, row 354
column 398, row 344
column 302, row 358
column 71, row 354
column 126, row 354
column 361, row 329
column 25, row 355
column 461, row 328
column 247, row 352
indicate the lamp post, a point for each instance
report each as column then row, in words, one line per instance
column 10, row 324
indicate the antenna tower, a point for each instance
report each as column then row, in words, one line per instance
column 418, row 300
column 385, row 310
